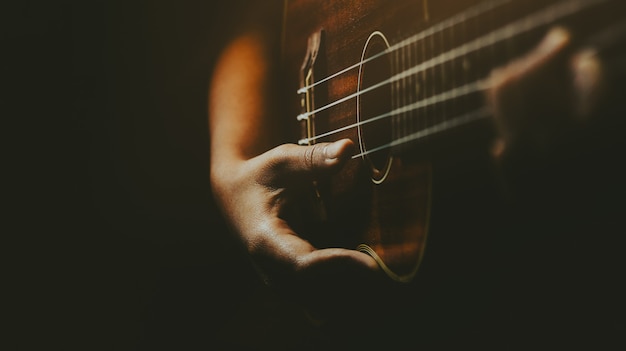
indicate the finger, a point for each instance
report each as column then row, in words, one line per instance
column 324, row 282
column 498, row 148
column 284, row 256
column 588, row 77
column 338, row 278
column 339, row 281
column 291, row 161
column 550, row 47
column 522, row 91
column 277, row 250
column 337, row 260
column 280, row 244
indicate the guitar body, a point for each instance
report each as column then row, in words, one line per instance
column 387, row 218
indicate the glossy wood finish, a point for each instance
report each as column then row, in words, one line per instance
column 392, row 217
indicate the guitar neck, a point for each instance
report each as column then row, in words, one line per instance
column 440, row 74
column 433, row 82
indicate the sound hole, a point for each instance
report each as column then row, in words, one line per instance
column 372, row 104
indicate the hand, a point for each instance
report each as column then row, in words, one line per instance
column 539, row 100
column 255, row 195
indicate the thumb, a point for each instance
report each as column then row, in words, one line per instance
column 308, row 162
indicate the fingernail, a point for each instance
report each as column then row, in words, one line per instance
column 335, row 149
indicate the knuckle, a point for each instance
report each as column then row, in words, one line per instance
column 278, row 155
column 282, row 150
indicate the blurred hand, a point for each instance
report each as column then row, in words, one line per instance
column 539, row 100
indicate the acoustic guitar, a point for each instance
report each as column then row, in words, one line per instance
column 403, row 79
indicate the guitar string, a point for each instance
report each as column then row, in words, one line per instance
column 466, row 89
column 518, row 27
column 453, row 21
column 476, row 86
column 434, row 129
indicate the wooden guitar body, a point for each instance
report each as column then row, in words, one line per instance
column 393, row 76
column 387, row 218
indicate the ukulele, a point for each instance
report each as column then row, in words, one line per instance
column 403, row 79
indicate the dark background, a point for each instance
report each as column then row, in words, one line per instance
column 120, row 245
column 123, row 247
column 167, row 274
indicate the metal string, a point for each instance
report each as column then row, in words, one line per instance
column 466, row 89
column 434, row 129
column 457, row 19
column 518, row 27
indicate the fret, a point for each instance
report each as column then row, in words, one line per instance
column 455, row 73
column 410, row 90
column 431, row 83
column 446, row 71
column 469, row 67
column 436, row 79
column 420, row 85
column 402, row 88
column 497, row 53
column 491, row 18
column 423, row 114
column 403, row 97
column 506, row 51
column 432, row 68
column 398, row 127
column 462, row 67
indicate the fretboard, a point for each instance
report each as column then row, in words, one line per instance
column 438, row 76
